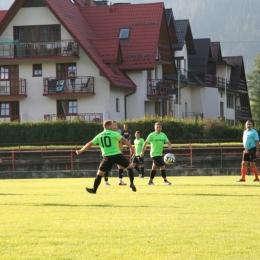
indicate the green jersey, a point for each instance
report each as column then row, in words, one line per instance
column 138, row 146
column 157, row 141
column 108, row 142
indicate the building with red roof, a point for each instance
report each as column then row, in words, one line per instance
column 84, row 59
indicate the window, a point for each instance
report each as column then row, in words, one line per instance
column 64, row 68
column 164, row 107
column 124, row 33
column 221, row 109
column 40, row 33
column 117, row 105
column 34, row 3
column 230, row 100
column 37, row 70
column 4, row 70
column 67, row 107
column 157, row 108
column 5, row 109
column 72, row 107
column 10, row 109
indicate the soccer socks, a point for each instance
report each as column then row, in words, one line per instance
column 106, row 176
column 243, row 172
column 255, row 171
column 152, row 174
column 120, row 173
column 142, row 170
column 97, row 182
column 131, row 175
column 163, row 173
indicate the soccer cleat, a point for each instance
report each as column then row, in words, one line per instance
column 241, row 180
column 121, row 183
column 107, row 183
column 256, row 180
column 90, row 190
column 141, row 176
column 132, row 186
column 167, row 183
column 150, row 183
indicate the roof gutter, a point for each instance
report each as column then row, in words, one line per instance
column 125, row 100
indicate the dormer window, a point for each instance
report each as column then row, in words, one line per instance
column 124, row 33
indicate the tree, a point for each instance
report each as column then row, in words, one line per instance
column 254, row 90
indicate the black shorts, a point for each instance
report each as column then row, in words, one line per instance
column 158, row 161
column 250, row 156
column 138, row 160
column 108, row 161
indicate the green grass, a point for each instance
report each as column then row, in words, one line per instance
column 194, row 218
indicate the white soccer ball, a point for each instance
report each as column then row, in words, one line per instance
column 169, row 158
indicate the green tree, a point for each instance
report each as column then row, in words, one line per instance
column 254, row 90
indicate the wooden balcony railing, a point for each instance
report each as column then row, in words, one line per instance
column 163, row 53
column 15, row 87
column 39, row 49
column 211, row 80
column 10, row 118
column 159, row 88
column 57, row 86
column 242, row 112
column 87, row 117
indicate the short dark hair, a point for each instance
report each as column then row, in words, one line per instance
column 251, row 121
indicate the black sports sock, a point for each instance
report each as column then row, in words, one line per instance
column 152, row 174
column 142, row 170
column 106, row 176
column 97, row 182
column 137, row 168
column 120, row 173
column 131, row 175
column 163, row 173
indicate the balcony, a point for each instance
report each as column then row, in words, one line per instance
column 9, row 118
column 15, row 50
column 63, row 86
column 13, row 88
column 211, row 80
column 242, row 112
column 158, row 88
column 87, row 117
column 163, row 53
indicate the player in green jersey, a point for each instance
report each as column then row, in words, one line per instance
column 157, row 139
column 137, row 160
column 108, row 143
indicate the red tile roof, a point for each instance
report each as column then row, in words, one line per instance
column 2, row 15
column 144, row 21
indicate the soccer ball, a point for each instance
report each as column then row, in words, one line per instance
column 169, row 158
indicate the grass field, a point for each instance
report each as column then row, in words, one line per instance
column 194, row 218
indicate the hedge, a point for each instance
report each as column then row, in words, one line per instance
column 72, row 132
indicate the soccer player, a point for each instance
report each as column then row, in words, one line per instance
column 108, row 143
column 157, row 139
column 120, row 168
column 137, row 160
column 251, row 145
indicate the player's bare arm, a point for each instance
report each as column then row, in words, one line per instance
column 127, row 143
column 169, row 145
column 84, row 148
column 143, row 149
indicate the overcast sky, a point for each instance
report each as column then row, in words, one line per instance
column 5, row 4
